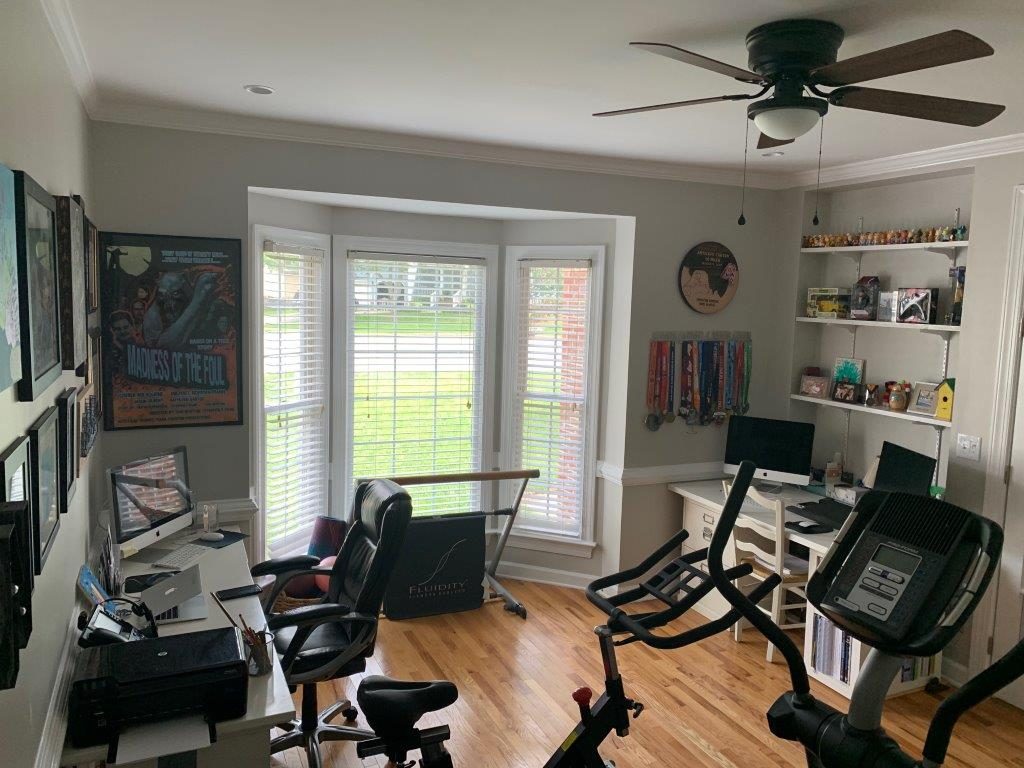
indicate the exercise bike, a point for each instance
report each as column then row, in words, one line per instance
column 903, row 576
column 392, row 707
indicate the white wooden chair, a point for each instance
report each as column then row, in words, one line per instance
column 766, row 548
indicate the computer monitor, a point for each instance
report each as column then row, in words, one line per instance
column 151, row 499
column 900, row 469
column 781, row 450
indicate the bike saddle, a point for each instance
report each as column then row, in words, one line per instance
column 392, row 707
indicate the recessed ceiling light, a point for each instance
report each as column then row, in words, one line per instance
column 259, row 90
column 774, row 153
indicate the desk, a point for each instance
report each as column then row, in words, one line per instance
column 702, row 506
column 246, row 740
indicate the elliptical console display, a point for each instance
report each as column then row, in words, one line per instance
column 906, row 571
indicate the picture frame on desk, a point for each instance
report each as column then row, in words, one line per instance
column 16, row 487
column 67, row 431
column 44, row 459
column 38, row 302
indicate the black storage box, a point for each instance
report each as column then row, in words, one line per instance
column 145, row 680
column 441, row 568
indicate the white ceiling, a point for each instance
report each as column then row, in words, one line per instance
column 527, row 73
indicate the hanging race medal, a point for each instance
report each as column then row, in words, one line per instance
column 669, row 414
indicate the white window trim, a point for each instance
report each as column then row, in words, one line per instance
column 583, row 545
column 261, row 232
column 340, row 363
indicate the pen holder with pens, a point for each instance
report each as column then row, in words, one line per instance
column 259, row 650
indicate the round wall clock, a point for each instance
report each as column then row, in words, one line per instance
column 708, row 277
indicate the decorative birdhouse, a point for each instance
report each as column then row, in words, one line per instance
column 944, row 399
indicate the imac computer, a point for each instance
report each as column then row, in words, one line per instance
column 781, row 450
column 151, row 499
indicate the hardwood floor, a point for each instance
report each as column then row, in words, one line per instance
column 705, row 704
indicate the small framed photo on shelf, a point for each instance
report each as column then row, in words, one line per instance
column 849, row 370
column 846, row 392
column 814, row 386
column 923, row 399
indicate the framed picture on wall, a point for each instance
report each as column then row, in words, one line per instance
column 92, row 267
column 44, row 460
column 67, row 434
column 10, row 318
column 172, row 331
column 16, row 482
column 71, row 281
column 39, row 309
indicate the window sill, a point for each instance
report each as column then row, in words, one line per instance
column 557, row 545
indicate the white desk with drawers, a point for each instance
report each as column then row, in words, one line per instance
column 702, row 507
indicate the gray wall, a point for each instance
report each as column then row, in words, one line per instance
column 45, row 133
column 159, row 180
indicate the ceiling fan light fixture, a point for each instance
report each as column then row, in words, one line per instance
column 786, row 122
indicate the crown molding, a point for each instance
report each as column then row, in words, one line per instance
column 927, row 160
column 285, row 130
column 58, row 14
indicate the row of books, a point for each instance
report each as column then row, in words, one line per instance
column 831, row 649
column 832, row 654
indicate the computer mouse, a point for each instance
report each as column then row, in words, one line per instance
column 211, row 536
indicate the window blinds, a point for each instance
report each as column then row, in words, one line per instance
column 295, row 393
column 416, row 372
column 550, row 409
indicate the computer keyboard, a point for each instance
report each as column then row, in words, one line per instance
column 170, row 613
column 183, row 556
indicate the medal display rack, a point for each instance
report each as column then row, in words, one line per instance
column 699, row 377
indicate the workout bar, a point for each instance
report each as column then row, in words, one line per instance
column 464, row 477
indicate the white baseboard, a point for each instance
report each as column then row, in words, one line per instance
column 51, row 741
column 954, row 673
column 541, row 575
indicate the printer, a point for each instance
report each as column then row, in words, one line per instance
column 154, row 679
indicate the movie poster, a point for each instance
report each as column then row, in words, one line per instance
column 172, row 331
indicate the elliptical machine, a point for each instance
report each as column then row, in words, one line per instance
column 903, row 576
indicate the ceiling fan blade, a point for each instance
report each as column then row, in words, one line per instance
column 688, row 57
column 767, row 142
column 932, row 51
column 956, row 111
column 670, row 105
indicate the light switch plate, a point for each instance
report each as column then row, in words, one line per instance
column 968, row 447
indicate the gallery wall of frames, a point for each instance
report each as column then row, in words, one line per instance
column 49, row 323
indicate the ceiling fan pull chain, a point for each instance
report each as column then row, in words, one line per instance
column 817, row 188
column 743, row 195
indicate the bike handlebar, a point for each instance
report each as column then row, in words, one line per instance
column 740, row 602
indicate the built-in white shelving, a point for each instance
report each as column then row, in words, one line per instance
column 883, row 412
column 947, row 248
column 933, row 328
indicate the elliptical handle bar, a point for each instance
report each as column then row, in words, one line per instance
column 743, row 604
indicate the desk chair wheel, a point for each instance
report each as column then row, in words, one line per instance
column 350, row 713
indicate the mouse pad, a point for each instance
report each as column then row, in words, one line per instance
column 230, row 537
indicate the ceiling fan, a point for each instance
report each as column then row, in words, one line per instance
column 797, row 57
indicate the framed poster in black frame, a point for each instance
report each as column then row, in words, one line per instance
column 36, row 223
column 71, row 281
column 67, row 432
column 44, row 458
column 16, row 486
column 18, row 515
column 172, row 330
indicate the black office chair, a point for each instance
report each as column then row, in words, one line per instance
column 333, row 638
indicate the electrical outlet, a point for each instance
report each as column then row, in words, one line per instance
column 968, row 447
